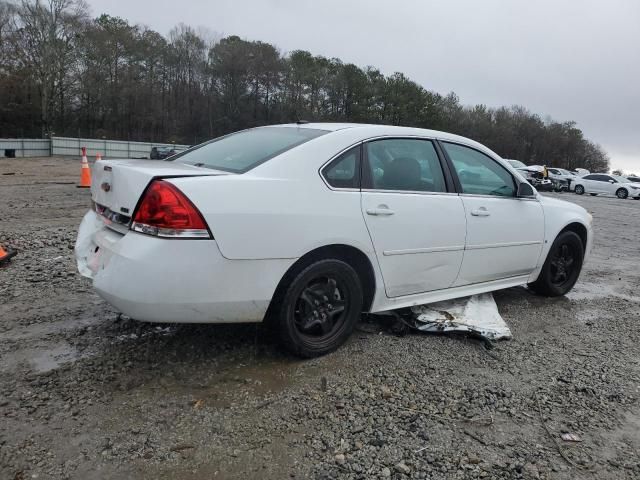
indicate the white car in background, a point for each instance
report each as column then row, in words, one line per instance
column 516, row 163
column 605, row 184
column 535, row 176
column 308, row 225
column 565, row 177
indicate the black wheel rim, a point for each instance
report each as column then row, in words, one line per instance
column 563, row 264
column 321, row 307
column 622, row 194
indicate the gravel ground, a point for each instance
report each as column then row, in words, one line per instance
column 84, row 394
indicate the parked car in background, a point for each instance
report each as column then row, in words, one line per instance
column 160, row 153
column 516, row 163
column 564, row 178
column 605, row 184
column 633, row 178
column 535, row 176
column 310, row 225
column 581, row 172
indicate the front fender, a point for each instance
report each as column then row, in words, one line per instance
column 560, row 215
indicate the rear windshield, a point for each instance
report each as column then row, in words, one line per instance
column 240, row 152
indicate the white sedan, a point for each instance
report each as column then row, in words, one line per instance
column 605, row 184
column 563, row 176
column 308, row 225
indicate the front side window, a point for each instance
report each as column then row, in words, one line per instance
column 478, row 173
column 344, row 171
column 240, row 152
column 403, row 164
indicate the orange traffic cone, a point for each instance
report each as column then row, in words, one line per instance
column 85, row 175
column 6, row 254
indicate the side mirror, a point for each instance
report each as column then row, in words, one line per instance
column 525, row 190
column 611, row 180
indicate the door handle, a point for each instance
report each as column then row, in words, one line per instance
column 480, row 212
column 381, row 210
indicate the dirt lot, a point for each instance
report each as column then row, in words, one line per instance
column 86, row 395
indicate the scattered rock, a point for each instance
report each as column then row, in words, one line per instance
column 401, row 467
column 386, row 392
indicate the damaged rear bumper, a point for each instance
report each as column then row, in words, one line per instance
column 166, row 280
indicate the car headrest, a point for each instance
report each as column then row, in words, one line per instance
column 403, row 173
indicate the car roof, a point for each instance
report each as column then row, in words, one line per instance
column 372, row 130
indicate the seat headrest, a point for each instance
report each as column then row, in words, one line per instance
column 403, row 173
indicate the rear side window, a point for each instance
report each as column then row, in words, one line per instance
column 240, row 152
column 344, row 171
column 478, row 173
column 598, row 178
column 403, row 164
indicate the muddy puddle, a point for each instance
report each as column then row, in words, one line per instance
column 41, row 360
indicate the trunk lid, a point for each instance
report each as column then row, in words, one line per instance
column 118, row 184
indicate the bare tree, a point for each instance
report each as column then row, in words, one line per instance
column 64, row 72
column 47, row 33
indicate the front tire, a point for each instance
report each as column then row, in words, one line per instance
column 579, row 189
column 622, row 193
column 320, row 308
column 562, row 267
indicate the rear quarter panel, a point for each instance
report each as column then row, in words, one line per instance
column 281, row 209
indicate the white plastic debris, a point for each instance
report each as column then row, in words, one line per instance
column 476, row 314
column 570, row 437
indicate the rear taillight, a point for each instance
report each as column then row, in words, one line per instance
column 165, row 211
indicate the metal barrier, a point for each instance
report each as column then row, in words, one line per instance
column 28, row 147
column 25, row 147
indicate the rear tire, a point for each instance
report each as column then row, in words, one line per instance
column 320, row 308
column 562, row 267
column 622, row 193
column 579, row 189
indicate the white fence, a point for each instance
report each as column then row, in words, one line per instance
column 27, row 147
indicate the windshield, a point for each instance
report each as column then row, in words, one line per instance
column 516, row 163
column 621, row 179
column 240, row 152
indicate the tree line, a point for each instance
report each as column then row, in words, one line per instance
column 63, row 72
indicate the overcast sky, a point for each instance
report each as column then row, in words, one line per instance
column 572, row 60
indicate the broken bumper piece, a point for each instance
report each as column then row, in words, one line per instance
column 477, row 314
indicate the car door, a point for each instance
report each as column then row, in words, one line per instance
column 415, row 220
column 609, row 184
column 504, row 233
column 588, row 183
column 599, row 184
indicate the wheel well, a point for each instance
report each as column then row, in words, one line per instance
column 348, row 254
column 579, row 229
